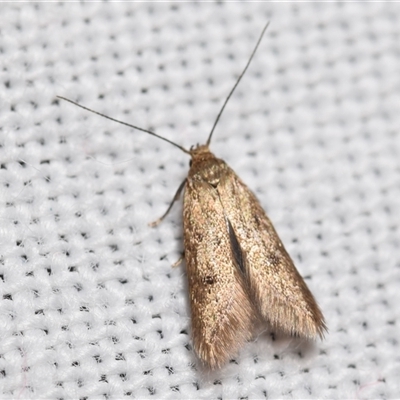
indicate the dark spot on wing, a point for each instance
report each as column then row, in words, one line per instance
column 237, row 252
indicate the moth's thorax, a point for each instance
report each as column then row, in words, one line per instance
column 205, row 166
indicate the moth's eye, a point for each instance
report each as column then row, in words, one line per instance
column 190, row 163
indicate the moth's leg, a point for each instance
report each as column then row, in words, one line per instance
column 176, row 197
column 179, row 261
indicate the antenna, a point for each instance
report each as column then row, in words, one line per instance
column 237, row 83
column 163, row 138
column 126, row 124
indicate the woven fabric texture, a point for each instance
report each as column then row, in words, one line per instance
column 90, row 305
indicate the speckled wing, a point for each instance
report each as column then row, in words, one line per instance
column 277, row 289
column 221, row 310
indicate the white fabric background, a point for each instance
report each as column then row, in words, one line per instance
column 90, row 306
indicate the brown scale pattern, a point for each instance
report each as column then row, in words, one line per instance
column 237, row 267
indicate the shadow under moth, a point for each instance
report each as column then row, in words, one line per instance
column 238, row 269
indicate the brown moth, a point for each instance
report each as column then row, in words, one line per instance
column 238, row 269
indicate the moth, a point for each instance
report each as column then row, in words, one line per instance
column 238, row 269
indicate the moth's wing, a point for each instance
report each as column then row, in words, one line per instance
column 277, row 289
column 221, row 310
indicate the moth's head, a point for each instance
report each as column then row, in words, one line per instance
column 199, row 153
